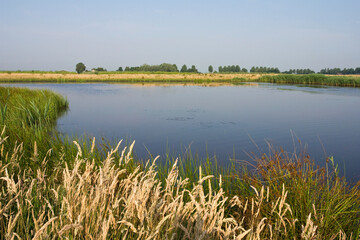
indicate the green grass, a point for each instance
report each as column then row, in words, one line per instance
column 290, row 186
column 29, row 117
column 312, row 79
column 31, row 111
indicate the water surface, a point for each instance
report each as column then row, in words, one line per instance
column 223, row 120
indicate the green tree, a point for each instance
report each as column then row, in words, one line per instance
column 176, row 68
column 184, row 68
column 100, row 69
column 80, row 67
column 120, row 69
column 193, row 69
column 211, row 69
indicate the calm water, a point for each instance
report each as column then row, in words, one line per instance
column 224, row 120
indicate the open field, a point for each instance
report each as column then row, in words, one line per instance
column 54, row 188
column 123, row 77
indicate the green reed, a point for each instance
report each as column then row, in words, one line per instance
column 30, row 117
column 314, row 79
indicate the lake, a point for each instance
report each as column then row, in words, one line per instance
column 226, row 121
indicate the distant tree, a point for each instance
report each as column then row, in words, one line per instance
column 80, row 67
column 176, row 68
column 164, row 67
column 265, row 70
column 211, row 69
column 231, row 69
column 120, row 69
column 99, row 69
column 127, row 69
column 193, row 69
column 184, row 68
column 335, row 71
column 297, row 71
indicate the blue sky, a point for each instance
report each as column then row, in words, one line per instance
column 55, row 35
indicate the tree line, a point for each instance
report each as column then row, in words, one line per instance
column 300, row 71
column 332, row 71
column 264, row 70
column 168, row 67
column 164, row 67
column 345, row 71
column 232, row 68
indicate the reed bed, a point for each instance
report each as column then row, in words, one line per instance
column 113, row 200
column 179, row 78
column 30, row 117
column 313, row 79
column 62, row 189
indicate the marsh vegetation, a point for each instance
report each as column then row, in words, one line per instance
column 53, row 187
column 313, row 79
column 184, row 77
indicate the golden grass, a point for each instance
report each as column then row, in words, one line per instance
column 208, row 79
column 87, row 201
column 122, row 77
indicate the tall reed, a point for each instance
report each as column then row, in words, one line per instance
column 55, row 188
column 29, row 117
column 314, row 79
column 114, row 200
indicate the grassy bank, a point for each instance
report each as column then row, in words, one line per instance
column 179, row 78
column 83, row 190
column 29, row 117
column 124, row 77
column 313, row 79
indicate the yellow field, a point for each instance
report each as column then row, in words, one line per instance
column 214, row 79
column 122, row 77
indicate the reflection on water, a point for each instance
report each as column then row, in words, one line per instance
column 220, row 120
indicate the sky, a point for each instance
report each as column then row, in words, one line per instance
column 56, row 35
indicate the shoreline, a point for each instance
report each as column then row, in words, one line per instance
column 214, row 79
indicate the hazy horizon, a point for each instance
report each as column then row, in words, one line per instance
column 43, row 35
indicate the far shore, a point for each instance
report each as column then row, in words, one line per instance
column 178, row 78
column 123, row 77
